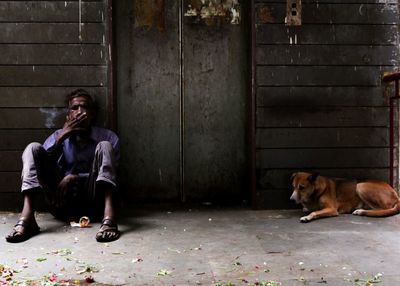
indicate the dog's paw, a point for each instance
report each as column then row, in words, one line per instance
column 358, row 212
column 306, row 218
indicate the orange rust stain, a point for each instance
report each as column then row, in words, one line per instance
column 264, row 15
column 150, row 14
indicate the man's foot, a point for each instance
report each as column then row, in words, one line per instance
column 23, row 231
column 108, row 231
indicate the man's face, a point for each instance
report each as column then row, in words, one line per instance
column 81, row 105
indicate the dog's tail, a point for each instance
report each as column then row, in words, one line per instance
column 383, row 212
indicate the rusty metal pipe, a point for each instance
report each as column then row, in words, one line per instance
column 254, row 200
column 389, row 78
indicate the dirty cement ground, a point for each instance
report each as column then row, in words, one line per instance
column 207, row 246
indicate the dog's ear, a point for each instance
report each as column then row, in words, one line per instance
column 320, row 185
column 292, row 177
column 313, row 177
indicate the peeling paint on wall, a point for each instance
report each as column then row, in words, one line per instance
column 149, row 14
column 213, row 11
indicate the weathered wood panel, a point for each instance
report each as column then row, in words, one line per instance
column 10, row 182
column 53, row 96
column 323, row 158
column 214, row 97
column 328, row 34
column 19, row 139
column 11, row 202
column 15, row 118
column 274, row 199
column 44, row 57
column 52, row 54
column 319, row 75
column 322, row 137
column 321, row 105
column 11, row 161
column 51, row 11
column 50, row 33
column 322, row 96
column 322, row 117
column 318, row 55
column 327, row 13
column 149, row 104
column 53, row 75
column 335, row 1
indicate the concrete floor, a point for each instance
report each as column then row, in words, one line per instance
column 207, row 246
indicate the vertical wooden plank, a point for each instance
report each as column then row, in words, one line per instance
column 215, row 114
column 148, row 103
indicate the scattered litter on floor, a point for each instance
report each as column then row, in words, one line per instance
column 83, row 222
column 262, row 283
column 136, row 260
column 23, row 261
column 174, row 250
column 163, row 272
column 266, row 283
column 118, row 253
column 87, row 269
column 89, row 279
column 6, row 274
column 224, row 284
column 369, row 281
column 302, row 279
column 61, row 252
column 41, row 259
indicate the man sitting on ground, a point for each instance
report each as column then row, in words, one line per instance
column 76, row 168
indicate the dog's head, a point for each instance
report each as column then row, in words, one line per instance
column 305, row 185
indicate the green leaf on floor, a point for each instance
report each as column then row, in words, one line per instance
column 62, row 252
column 265, row 283
column 224, row 284
column 41, row 259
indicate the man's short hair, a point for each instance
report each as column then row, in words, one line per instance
column 80, row 92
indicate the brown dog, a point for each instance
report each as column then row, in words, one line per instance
column 326, row 197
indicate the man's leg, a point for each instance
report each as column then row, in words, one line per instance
column 28, row 210
column 108, row 203
column 103, row 183
column 35, row 162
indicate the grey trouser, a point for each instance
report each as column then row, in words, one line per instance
column 40, row 170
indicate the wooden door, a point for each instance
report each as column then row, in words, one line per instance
column 181, row 104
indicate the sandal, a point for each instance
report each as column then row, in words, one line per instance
column 108, row 231
column 23, row 234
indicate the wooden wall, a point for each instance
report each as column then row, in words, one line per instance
column 44, row 55
column 320, row 103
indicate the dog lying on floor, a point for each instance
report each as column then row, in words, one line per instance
column 327, row 197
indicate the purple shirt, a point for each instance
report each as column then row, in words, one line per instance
column 74, row 159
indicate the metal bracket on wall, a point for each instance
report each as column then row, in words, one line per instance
column 293, row 13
